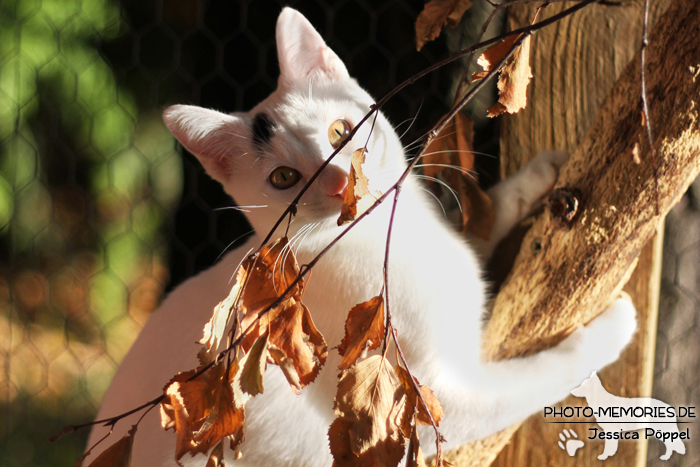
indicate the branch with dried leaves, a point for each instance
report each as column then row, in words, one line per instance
column 271, row 324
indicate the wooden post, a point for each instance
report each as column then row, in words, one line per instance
column 575, row 64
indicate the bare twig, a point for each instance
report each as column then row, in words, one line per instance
column 645, row 105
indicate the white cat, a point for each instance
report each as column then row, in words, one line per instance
column 437, row 295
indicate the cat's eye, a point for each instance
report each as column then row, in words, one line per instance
column 338, row 132
column 284, row 177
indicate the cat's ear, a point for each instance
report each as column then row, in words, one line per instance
column 302, row 53
column 210, row 135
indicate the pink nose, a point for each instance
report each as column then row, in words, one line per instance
column 334, row 181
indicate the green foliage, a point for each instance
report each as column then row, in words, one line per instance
column 88, row 179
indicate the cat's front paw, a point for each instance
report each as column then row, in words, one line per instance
column 604, row 338
column 545, row 168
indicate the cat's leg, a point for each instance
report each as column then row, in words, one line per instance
column 498, row 394
column 519, row 195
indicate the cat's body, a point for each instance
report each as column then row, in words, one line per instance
column 437, row 296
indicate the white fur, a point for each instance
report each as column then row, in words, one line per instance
column 437, row 295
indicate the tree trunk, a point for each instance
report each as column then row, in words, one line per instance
column 582, row 263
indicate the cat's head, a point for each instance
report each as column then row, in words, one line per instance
column 265, row 156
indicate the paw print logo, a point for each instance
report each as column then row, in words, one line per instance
column 569, row 442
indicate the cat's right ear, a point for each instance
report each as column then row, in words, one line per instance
column 302, row 53
column 210, row 135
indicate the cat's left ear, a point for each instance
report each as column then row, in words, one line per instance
column 209, row 135
column 302, row 53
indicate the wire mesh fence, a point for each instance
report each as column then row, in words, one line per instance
column 100, row 214
column 677, row 364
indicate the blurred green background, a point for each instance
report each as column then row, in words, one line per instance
column 100, row 214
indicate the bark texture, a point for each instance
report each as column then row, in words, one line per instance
column 582, row 263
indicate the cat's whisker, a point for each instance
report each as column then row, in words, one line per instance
column 284, row 253
column 476, row 153
column 230, row 244
column 437, row 180
column 239, row 264
column 449, row 166
column 306, row 235
column 436, row 199
column 310, row 228
column 412, row 120
column 241, row 208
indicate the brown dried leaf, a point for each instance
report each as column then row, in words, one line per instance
column 216, row 327
column 422, row 417
column 494, row 54
column 272, row 271
column 434, row 15
column 477, row 209
column 372, row 423
column 358, row 196
column 260, row 280
column 296, row 345
column 515, row 74
column 118, row 454
column 251, row 378
column 364, row 330
column 415, row 454
column 202, row 411
column 452, row 146
column 216, row 458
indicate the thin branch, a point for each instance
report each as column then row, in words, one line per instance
column 645, row 104
column 385, row 288
column 440, row 439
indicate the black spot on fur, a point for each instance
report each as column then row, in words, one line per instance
column 262, row 130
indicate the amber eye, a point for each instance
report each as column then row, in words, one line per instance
column 284, row 177
column 338, row 132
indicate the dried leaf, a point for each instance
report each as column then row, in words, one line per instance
column 251, row 378
column 477, row 209
column 216, row 458
column 296, row 345
column 415, row 454
column 216, row 327
column 494, row 54
column 364, row 330
column 422, row 417
column 118, row 454
column 434, row 15
column 202, row 411
column 358, row 196
column 372, row 423
column 452, row 146
column 272, row 271
column 515, row 75
column 260, row 280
